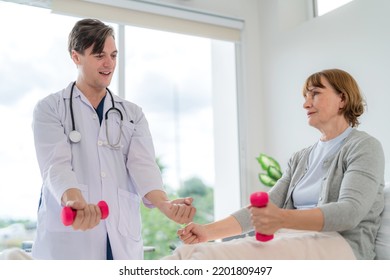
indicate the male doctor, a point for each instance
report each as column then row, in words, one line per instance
column 92, row 145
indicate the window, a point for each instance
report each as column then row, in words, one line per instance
column 325, row 6
column 37, row 64
column 172, row 83
column 33, row 54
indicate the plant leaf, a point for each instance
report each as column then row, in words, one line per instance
column 266, row 180
column 274, row 172
column 267, row 161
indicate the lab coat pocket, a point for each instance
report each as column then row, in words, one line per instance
column 129, row 215
column 128, row 129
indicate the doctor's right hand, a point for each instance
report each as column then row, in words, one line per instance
column 88, row 215
column 193, row 233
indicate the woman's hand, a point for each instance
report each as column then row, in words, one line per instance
column 269, row 219
column 193, row 233
column 266, row 220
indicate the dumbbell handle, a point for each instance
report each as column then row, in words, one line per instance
column 68, row 214
column 260, row 199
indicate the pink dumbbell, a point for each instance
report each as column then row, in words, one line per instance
column 260, row 199
column 68, row 214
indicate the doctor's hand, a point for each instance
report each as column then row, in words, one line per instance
column 179, row 210
column 87, row 216
column 193, row 233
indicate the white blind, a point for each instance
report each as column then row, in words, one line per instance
column 153, row 16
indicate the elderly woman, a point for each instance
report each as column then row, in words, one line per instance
column 327, row 204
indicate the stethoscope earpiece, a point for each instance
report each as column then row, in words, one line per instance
column 75, row 136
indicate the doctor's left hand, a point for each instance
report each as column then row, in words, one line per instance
column 179, row 210
column 88, row 215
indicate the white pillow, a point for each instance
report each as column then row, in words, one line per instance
column 382, row 246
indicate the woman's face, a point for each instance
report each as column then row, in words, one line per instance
column 323, row 106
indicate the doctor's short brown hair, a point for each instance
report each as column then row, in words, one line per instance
column 88, row 32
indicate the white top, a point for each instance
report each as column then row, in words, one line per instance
column 120, row 176
column 307, row 191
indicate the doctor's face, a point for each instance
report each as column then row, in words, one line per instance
column 96, row 69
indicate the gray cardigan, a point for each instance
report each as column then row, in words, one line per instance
column 351, row 197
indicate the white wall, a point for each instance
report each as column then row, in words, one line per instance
column 353, row 38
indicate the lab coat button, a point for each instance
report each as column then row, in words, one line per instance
column 94, row 116
column 100, row 143
column 103, row 174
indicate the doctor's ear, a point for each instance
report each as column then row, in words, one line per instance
column 75, row 57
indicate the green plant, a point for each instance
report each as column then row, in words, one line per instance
column 271, row 168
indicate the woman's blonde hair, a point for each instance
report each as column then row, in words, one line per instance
column 344, row 85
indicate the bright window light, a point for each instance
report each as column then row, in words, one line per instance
column 325, row 6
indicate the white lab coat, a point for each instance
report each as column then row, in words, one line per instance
column 121, row 176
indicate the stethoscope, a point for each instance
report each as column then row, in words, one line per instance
column 75, row 136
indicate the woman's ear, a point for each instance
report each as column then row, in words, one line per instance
column 342, row 100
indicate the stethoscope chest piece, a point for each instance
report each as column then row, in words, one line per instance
column 75, row 136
